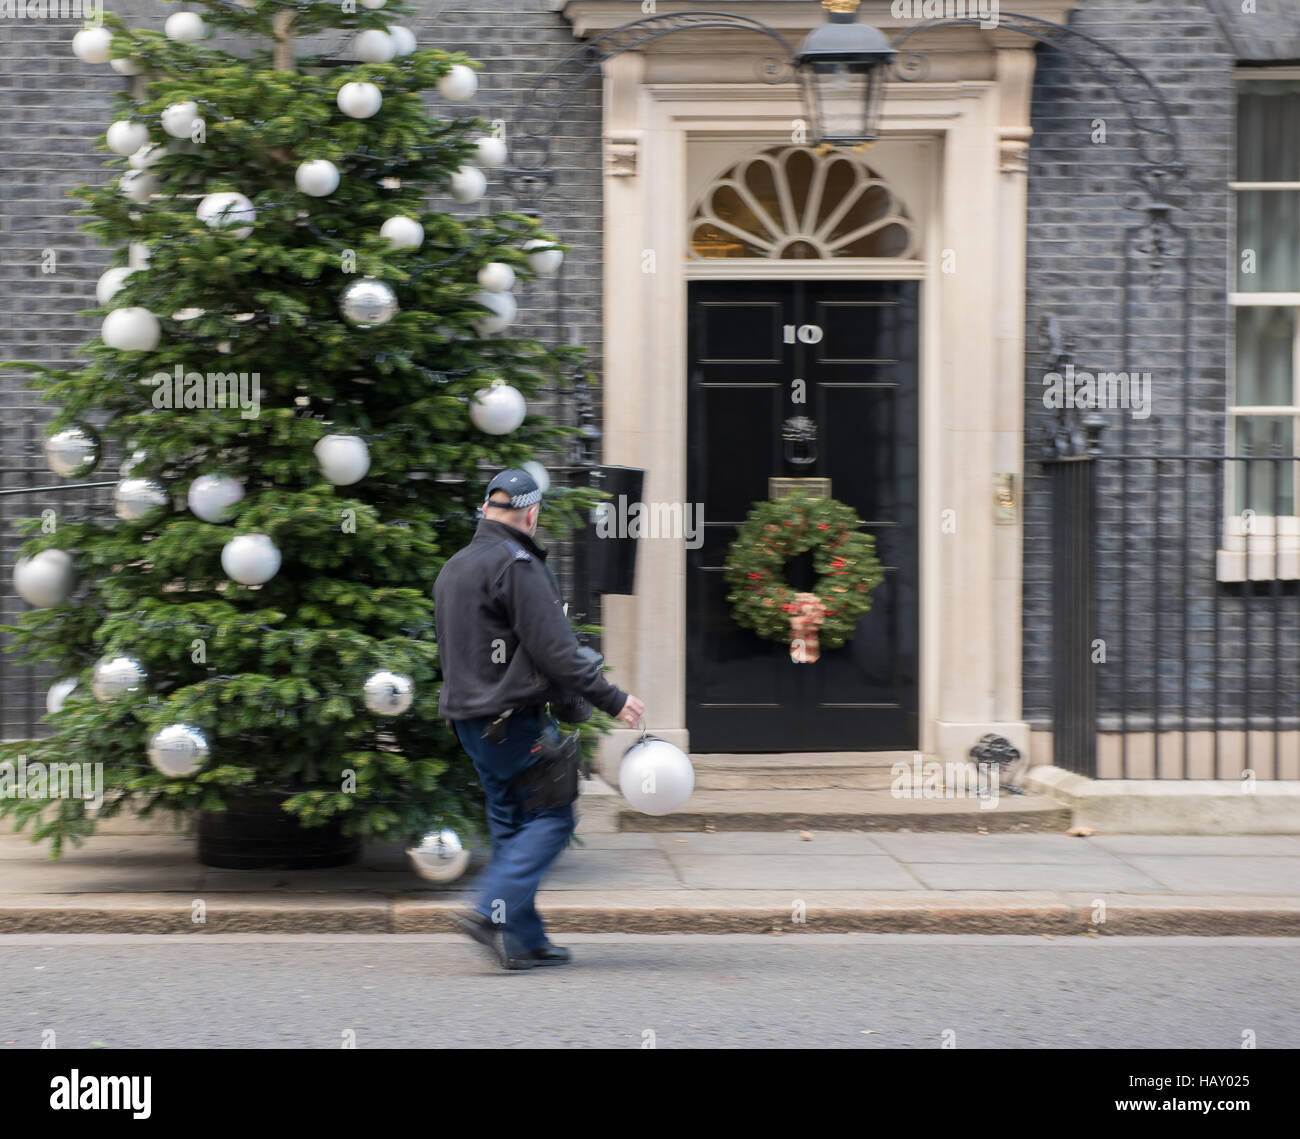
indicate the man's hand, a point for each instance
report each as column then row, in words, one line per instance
column 632, row 711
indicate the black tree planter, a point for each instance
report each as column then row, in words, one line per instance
column 254, row 832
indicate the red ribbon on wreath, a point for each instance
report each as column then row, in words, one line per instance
column 807, row 614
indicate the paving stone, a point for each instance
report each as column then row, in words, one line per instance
column 1222, row 875
column 611, row 870
column 1012, row 876
column 773, row 842
column 1259, row 845
column 1036, row 849
column 778, row 872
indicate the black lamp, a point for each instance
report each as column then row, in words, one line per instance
column 842, row 66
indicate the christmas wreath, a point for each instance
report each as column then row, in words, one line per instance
column 776, row 531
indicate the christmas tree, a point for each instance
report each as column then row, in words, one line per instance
column 311, row 376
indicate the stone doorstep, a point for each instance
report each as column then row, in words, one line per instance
column 1172, row 806
column 864, row 810
column 1039, row 914
column 810, row 771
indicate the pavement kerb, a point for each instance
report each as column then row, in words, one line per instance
column 1051, row 914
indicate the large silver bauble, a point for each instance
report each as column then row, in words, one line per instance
column 227, row 210
column 343, row 459
column 655, row 776
column 460, row 83
column 368, row 302
column 132, row 329
column 126, row 136
column 178, row 750
column 134, row 499
column 403, row 40
column 543, row 256
column 178, row 118
column 110, row 284
column 92, row 45
column 440, row 856
column 498, row 409
column 72, row 452
column 184, row 27
column 388, row 693
column 373, row 46
column 45, row 579
column 250, row 559
column 117, row 676
column 211, row 497
column 502, row 310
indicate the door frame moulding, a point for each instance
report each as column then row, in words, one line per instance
column 964, row 606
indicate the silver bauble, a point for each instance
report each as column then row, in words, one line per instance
column 502, row 310
column 403, row 40
column 541, row 476
column 58, row 692
column 92, row 45
column 496, row 277
column 460, row 83
column 185, row 27
column 132, row 329
column 110, row 284
column 178, row 118
column 211, row 497
column 139, row 185
column 440, row 856
column 543, row 256
column 134, row 499
column 368, row 302
column 388, row 693
column 45, row 579
column 656, row 777
column 72, row 452
column 373, row 46
column 498, row 409
column 250, row 559
column 126, row 136
column 116, row 676
column 178, row 750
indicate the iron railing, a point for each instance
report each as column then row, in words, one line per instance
column 1176, row 647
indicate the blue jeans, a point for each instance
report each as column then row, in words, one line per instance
column 524, row 843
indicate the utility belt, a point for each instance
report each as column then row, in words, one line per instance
column 551, row 779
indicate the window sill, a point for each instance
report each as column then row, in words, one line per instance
column 1264, row 563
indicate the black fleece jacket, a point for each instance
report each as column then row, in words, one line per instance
column 503, row 637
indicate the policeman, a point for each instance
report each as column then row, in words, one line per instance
column 505, row 647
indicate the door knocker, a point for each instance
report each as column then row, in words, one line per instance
column 800, row 435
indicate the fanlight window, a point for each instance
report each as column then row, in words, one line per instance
column 791, row 203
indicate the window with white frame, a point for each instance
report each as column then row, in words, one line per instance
column 1264, row 396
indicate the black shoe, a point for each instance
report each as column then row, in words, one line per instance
column 545, row 955
column 483, row 930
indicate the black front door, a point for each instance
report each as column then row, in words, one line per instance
column 854, row 346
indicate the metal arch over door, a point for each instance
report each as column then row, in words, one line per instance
column 854, row 344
